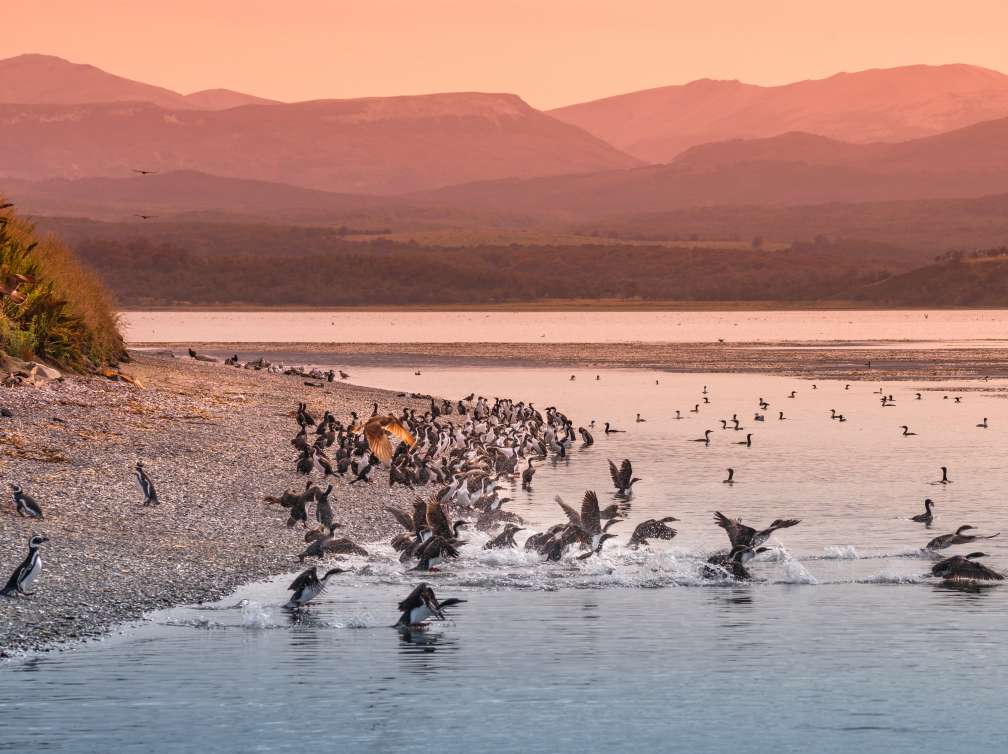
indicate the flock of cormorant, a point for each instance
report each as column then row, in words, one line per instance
column 468, row 460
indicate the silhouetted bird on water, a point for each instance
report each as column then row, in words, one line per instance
column 653, row 528
column 623, row 479
column 741, row 535
column 926, row 517
column 965, row 568
column 956, row 538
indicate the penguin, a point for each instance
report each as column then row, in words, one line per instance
column 146, row 485
column 29, row 569
column 308, row 586
column 26, row 504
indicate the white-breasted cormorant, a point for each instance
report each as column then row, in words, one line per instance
column 307, row 586
column 965, row 568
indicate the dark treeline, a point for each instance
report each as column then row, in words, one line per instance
column 143, row 273
column 957, row 279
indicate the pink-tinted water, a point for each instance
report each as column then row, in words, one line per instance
column 959, row 327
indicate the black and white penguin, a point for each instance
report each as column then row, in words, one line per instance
column 29, row 569
column 26, row 504
column 421, row 605
column 146, row 485
column 308, row 586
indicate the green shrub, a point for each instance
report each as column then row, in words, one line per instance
column 52, row 307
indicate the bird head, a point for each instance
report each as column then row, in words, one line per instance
column 430, row 600
column 36, row 540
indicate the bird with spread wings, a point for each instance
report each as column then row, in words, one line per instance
column 377, row 430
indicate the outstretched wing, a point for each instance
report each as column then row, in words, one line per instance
column 437, row 519
column 738, row 534
column 591, row 520
column 783, row 523
column 573, row 516
column 615, row 474
column 377, row 431
column 413, row 600
column 303, row 580
column 626, row 473
column 405, row 519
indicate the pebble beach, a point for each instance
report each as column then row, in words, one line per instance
column 214, row 439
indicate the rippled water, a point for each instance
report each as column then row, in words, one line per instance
column 841, row 643
column 963, row 326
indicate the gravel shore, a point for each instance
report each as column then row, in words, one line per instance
column 214, row 440
column 808, row 360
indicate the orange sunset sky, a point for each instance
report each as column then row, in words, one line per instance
column 551, row 52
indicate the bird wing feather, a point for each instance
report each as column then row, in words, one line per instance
column 405, row 520
column 437, row 519
column 737, row 532
column 591, row 518
column 615, row 474
column 572, row 515
column 626, row 473
column 303, row 579
column 377, row 431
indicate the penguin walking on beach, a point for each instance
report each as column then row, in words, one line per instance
column 26, row 573
column 25, row 503
column 146, row 485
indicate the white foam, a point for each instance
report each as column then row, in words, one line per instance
column 254, row 615
column 795, row 573
column 840, row 552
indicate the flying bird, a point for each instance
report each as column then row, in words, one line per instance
column 377, row 430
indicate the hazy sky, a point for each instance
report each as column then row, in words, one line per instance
column 551, row 52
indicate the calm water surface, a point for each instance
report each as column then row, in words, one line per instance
column 987, row 327
column 841, row 643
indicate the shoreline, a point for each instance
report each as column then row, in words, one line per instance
column 215, row 440
column 804, row 360
column 569, row 305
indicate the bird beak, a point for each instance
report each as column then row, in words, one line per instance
column 45, row 539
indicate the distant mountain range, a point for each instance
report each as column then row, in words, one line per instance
column 783, row 170
column 371, row 146
column 71, row 137
column 49, row 80
column 892, row 104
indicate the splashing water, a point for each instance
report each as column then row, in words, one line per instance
column 254, row 615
